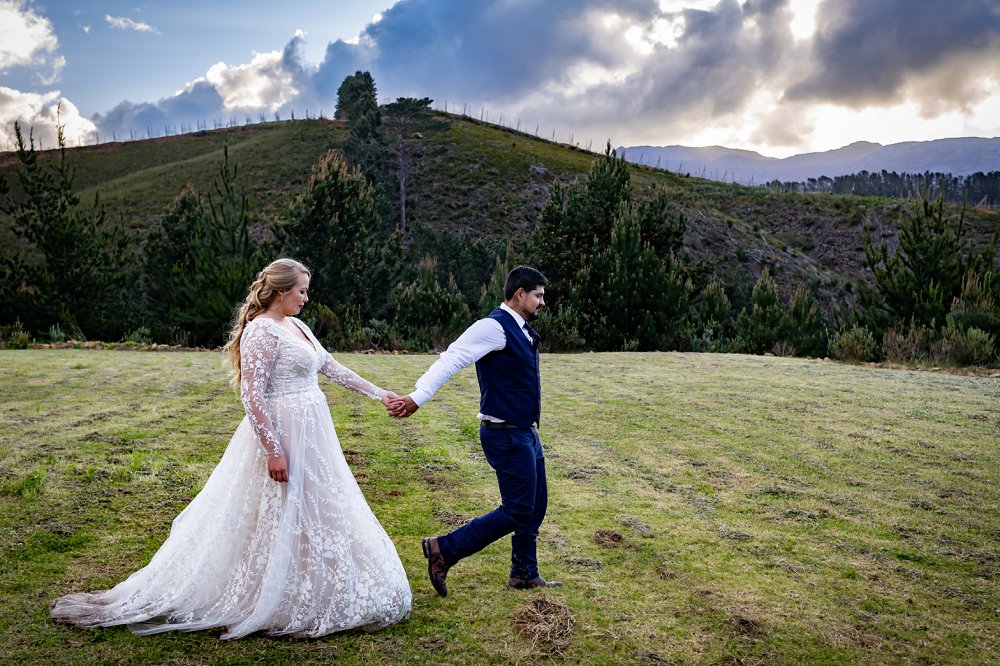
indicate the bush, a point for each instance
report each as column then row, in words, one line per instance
column 560, row 330
column 783, row 348
column 13, row 336
column 910, row 345
column 853, row 344
column 972, row 346
column 56, row 333
column 140, row 335
column 429, row 315
column 379, row 334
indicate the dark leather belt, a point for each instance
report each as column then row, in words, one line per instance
column 500, row 426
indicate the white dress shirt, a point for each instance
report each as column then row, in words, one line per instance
column 483, row 337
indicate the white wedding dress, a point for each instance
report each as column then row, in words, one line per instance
column 306, row 557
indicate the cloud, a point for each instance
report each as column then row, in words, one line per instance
column 634, row 71
column 39, row 115
column 27, row 40
column 272, row 82
column 936, row 52
column 123, row 23
column 603, row 67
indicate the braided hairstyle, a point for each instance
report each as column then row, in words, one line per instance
column 279, row 276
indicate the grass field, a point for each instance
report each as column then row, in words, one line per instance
column 704, row 508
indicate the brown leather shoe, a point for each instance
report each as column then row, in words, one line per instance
column 537, row 581
column 436, row 567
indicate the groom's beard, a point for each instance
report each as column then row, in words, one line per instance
column 532, row 316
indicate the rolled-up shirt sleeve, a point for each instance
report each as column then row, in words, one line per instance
column 483, row 337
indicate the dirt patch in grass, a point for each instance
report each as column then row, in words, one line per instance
column 608, row 538
column 745, row 626
column 451, row 518
column 585, row 563
column 354, row 458
column 644, row 529
column 547, row 623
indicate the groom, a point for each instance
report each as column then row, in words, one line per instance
column 505, row 350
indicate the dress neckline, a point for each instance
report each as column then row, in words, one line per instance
column 304, row 338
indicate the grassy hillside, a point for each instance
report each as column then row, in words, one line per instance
column 488, row 181
column 704, row 508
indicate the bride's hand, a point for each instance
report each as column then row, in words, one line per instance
column 392, row 402
column 277, row 468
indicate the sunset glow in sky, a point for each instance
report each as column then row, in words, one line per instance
column 776, row 76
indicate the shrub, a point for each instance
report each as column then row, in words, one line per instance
column 13, row 336
column 853, row 344
column 973, row 346
column 379, row 334
column 783, row 348
column 560, row 330
column 429, row 315
column 140, row 335
column 909, row 345
column 56, row 333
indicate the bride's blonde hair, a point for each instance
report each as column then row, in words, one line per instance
column 280, row 275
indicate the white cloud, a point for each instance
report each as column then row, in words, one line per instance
column 123, row 23
column 39, row 114
column 26, row 39
column 263, row 83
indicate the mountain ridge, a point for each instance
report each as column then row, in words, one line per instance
column 958, row 156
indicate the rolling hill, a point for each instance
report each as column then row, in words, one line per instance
column 490, row 182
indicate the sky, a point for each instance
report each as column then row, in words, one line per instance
column 776, row 76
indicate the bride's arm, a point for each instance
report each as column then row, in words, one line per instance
column 258, row 350
column 350, row 379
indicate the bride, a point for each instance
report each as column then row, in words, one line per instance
column 280, row 539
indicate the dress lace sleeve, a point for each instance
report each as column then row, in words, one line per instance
column 349, row 379
column 258, row 351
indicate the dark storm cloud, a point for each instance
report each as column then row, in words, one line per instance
column 481, row 50
column 722, row 58
column 869, row 53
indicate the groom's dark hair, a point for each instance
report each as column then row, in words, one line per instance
column 523, row 277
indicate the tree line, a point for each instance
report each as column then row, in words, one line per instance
column 621, row 279
column 977, row 189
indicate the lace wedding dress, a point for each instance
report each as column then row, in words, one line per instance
column 306, row 557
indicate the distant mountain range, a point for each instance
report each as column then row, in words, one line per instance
column 959, row 157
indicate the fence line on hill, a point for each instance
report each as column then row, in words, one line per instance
column 259, row 117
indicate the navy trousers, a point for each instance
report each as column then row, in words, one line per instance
column 516, row 456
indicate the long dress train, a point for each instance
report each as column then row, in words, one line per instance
column 306, row 557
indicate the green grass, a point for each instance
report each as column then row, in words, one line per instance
column 704, row 508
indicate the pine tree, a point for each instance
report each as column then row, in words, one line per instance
column 802, row 325
column 168, row 264
column 761, row 327
column 636, row 300
column 357, row 103
column 83, row 267
column 335, row 229
column 406, row 114
column 427, row 314
column 920, row 279
column 619, row 267
column 200, row 260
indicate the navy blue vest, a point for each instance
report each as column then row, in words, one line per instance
column 510, row 385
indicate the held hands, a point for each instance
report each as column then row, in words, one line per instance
column 397, row 406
